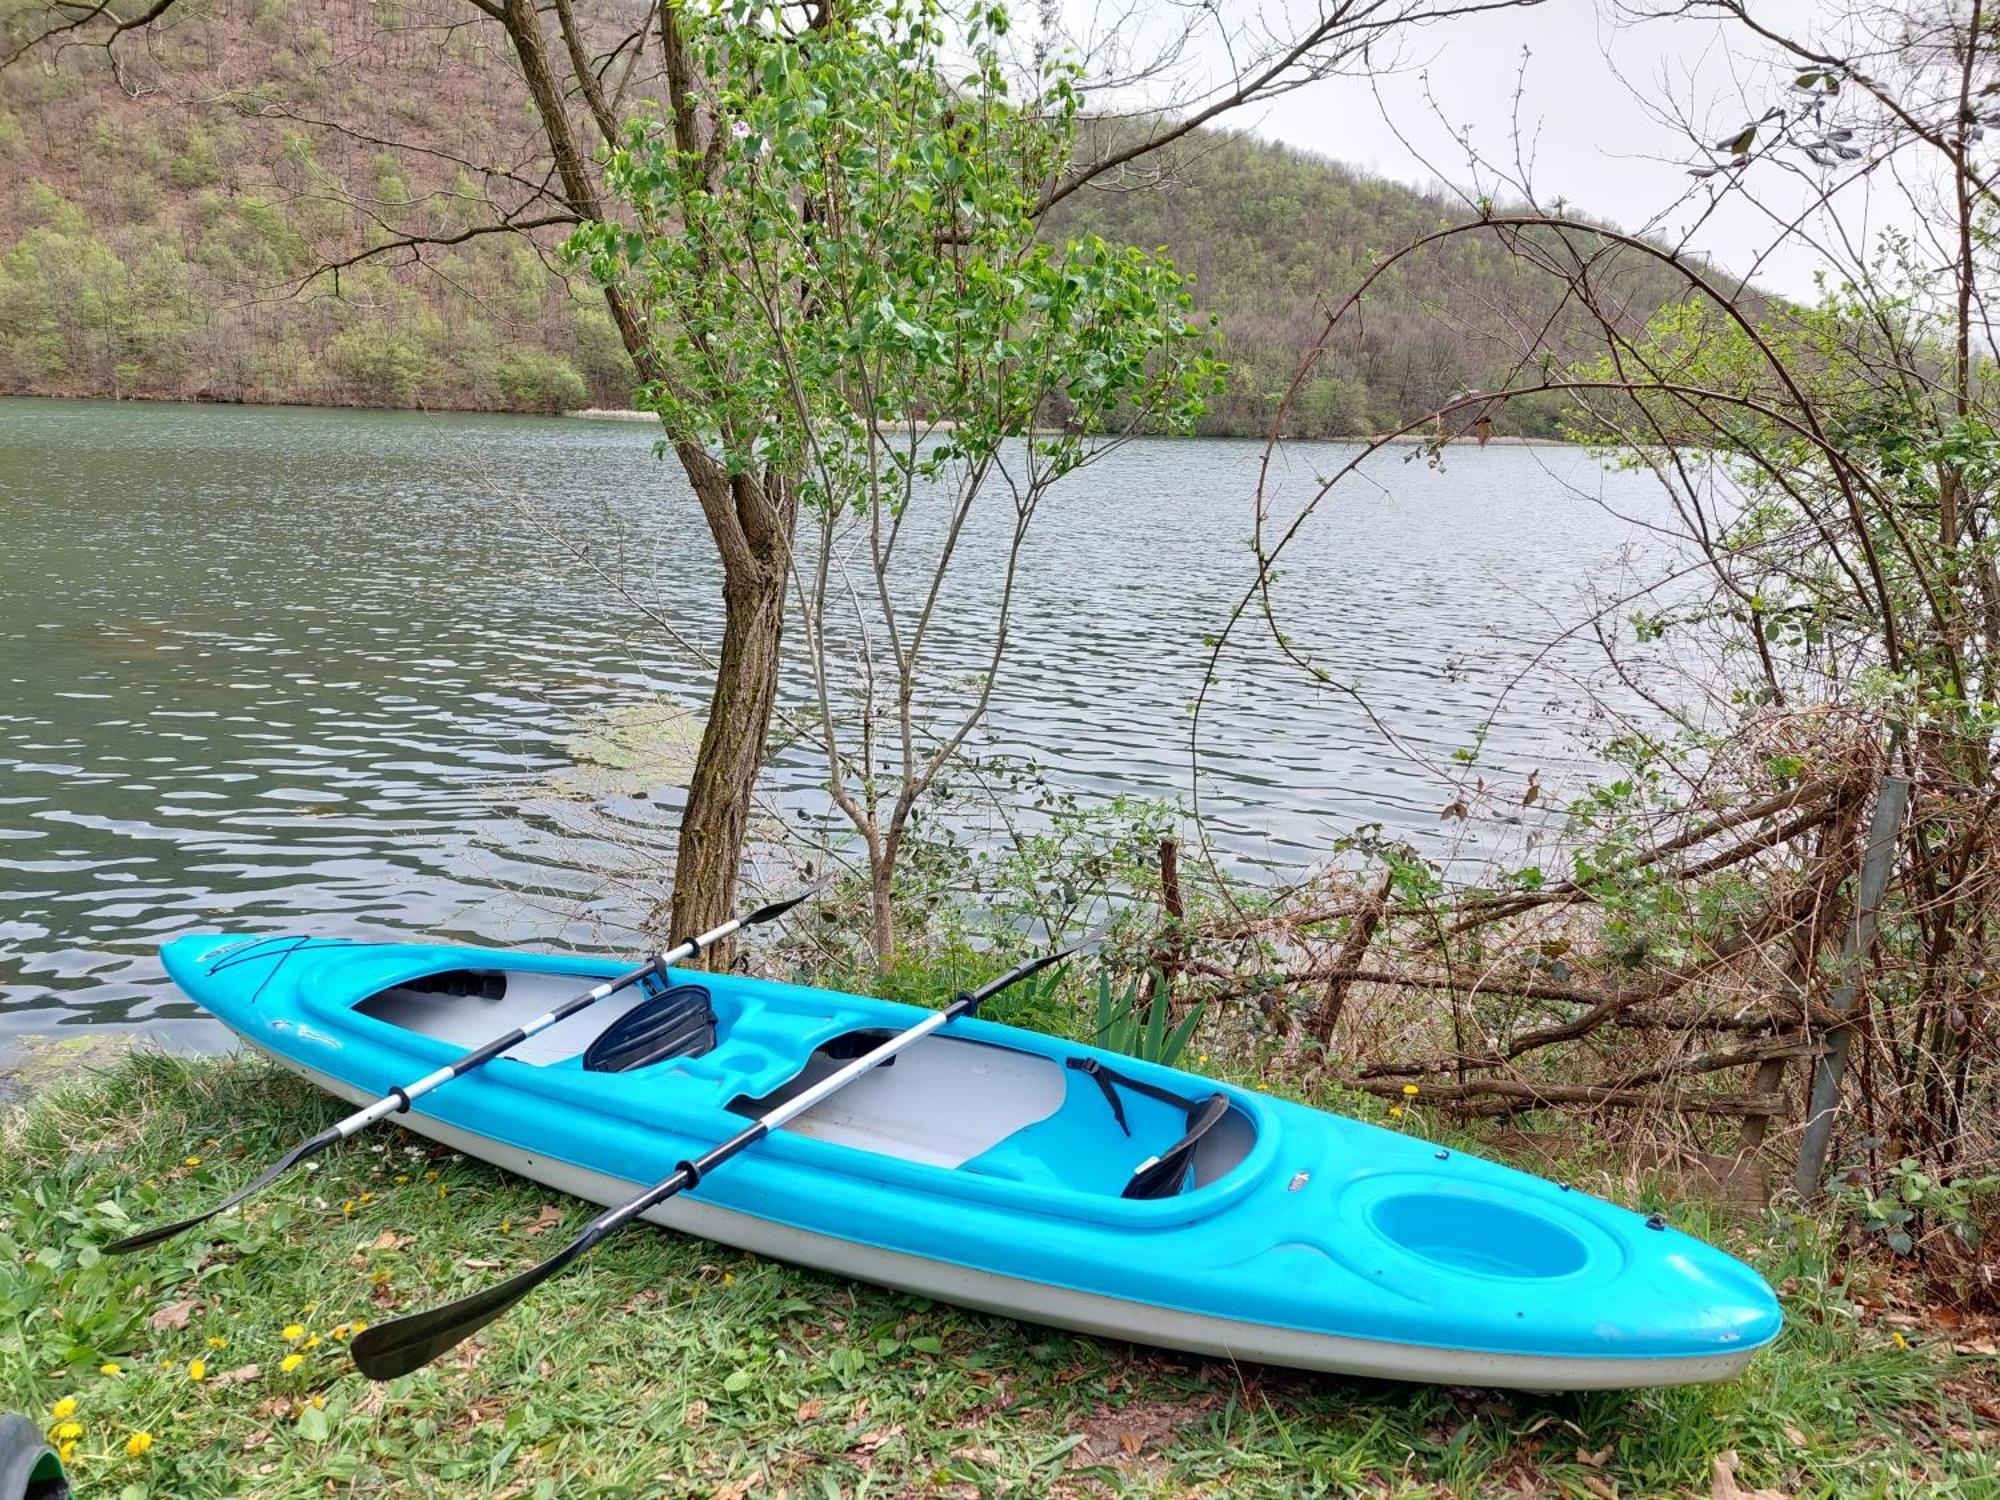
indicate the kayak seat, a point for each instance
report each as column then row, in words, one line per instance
column 679, row 1022
column 941, row 1101
column 1080, row 1146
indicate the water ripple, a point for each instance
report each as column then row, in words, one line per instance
column 266, row 668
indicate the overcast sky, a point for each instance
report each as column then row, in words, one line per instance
column 1591, row 100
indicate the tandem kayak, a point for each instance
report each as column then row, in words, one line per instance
column 1006, row 1170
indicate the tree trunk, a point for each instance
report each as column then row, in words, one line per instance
column 751, row 521
column 881, row 909
column 732, row 751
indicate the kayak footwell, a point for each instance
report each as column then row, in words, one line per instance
column 1081, row 1311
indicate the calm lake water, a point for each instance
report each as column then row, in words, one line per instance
column 276, row 668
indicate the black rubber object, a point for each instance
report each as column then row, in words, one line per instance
column 679, row 1022
column 29, row 1468
column 1163, row 1176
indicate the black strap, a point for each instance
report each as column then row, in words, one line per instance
column 1162, row 1176
column 1106, row 1078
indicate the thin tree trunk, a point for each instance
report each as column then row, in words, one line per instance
column 732, row 750
column 750, row 521
column 882, row 913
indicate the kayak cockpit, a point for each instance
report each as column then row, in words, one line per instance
column 1046, row 1119
column 1022, row 1116
column 467, row 1007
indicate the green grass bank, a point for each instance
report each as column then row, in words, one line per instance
column 669, row 1366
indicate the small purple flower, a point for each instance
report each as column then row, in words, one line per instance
column 741, row 130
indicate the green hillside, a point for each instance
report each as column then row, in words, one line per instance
column 160, row 231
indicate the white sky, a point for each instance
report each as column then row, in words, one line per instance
column 1594, row 99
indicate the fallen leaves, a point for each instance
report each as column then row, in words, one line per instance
column 1724, row 1486
column 1125, row 1432
column 869, row 1441
column 175, row 1314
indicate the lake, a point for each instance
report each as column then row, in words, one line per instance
column 287, row 668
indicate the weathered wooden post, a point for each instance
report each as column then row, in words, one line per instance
column 1876, row 860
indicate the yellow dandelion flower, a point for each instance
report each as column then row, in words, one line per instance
column 137, row 1444
column 65, row 1431
column 727, row 1277
column 1395, row 1111
column 292, row 1331
column 357, row 1326
column 347, row 1208
column 197, row 1369
column 341, row 1330
column 63, row 1408
column 312, row 1342
column 401, row 1178
column 66, row 1451
column 319, row 1403
column 291, row 1362
column 1409, row 1091
column 216, row 1342
column 191, row 1161
column 111, row 1367
column 1901, row 1342
column 367, row 1197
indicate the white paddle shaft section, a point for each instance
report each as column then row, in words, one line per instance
column 833, row 1083
column 397, row 1100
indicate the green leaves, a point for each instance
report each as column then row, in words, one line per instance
column 1147, row 1032
column 860, row 248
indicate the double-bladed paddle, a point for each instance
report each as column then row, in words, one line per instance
column 400, row 1099
column 386, row 1350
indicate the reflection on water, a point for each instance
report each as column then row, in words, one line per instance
column 287, row 668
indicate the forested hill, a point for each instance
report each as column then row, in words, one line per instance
column 161, row 239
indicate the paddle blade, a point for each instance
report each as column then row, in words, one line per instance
column 271, row 1174
column 1035, row 966
column 778, row 908
column 382, row 1351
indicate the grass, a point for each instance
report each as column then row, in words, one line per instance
column 669, row 1366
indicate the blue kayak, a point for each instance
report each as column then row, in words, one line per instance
column 1007, row 1170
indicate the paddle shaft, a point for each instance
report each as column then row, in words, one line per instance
column 410, row 1342
column 689, row 1173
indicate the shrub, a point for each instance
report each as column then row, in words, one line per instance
column 531, row 380
column 379, row 368
column 195, row 164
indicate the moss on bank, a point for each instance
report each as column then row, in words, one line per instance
column 671, row 1366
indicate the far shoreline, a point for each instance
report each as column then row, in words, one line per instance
column 626, row 415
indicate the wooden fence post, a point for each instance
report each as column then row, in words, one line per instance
column 1884, row 831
